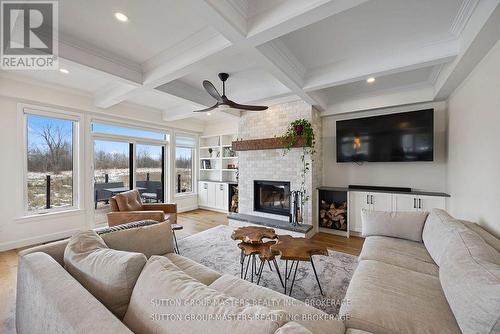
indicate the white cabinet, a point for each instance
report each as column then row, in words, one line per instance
column 402, row 202
column 427, row 203
column 357, row 202
column 380, row 201
column 203, row 193
column 393, row 202
column 213, row 195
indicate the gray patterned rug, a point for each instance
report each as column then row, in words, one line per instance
column 215, row 249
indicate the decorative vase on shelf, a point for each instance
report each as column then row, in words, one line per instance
column 210, row 152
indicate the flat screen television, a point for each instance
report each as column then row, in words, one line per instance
column 407, row 136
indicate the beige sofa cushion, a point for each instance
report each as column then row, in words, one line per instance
column 161, row 281
column 197, row 271
column 402, row 253
column 438, row 228
column 383, row 298
column 295, row 309
column 489, row 238
column 292, row 328
column 404, row 225
column 470, row 277
column 149, row 240
column 109, row 275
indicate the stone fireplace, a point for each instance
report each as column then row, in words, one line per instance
column 282, row 172
column 272, row 197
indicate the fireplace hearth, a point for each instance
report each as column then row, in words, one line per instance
column 272, row 197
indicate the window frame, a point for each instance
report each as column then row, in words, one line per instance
column 26, row 110
column 193, row 163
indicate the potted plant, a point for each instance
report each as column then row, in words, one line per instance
column 301, row 128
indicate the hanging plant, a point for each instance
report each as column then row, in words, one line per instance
column 301, row 128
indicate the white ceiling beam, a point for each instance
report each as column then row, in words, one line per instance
column 116, row 69
column 477, row 38
column 115, row 94
column 383, row 99
column 353, row 70
column 269, row 56
column 293, row 15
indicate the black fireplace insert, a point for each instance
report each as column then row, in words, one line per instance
column 272, row 197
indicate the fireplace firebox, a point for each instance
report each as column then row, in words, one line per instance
column 272, row 197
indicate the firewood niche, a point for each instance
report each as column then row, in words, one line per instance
column 333, row 209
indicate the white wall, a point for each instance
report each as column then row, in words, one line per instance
column 474, row 150
column 16, row 230
column 225, row 126
column 428, row 176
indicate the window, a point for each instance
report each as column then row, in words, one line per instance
column 51, row 163
column 184, row 156
column 128, row 132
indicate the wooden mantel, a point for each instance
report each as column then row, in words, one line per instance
column 264, row 144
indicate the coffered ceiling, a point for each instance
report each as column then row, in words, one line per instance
column 320, row 51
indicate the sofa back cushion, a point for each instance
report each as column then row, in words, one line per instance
column 404, row 225
column 129, row 201
column 470, row 277
column 164, row 289
column 438, row 228
column 147, row 237
column 108, row 274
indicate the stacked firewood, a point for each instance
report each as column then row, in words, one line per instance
column 333, row 216
column 234, row 200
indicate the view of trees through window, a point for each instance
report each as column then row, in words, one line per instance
column 50, row 163
column 184, row 169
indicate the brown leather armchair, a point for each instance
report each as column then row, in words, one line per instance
column 128, row 207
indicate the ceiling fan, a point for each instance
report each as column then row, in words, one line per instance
column 222, row 101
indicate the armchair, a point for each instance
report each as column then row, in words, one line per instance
column 128, row 207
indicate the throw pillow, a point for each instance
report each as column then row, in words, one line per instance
column 150, row 239
column 404, row 225
column 108, row 274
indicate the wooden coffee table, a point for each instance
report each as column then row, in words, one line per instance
column 252, row 245
column 253, row 234
column 298, row 250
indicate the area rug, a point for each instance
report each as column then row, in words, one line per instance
column 215, row 249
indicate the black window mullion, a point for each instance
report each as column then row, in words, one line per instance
column 162, row 174
column 131, row 166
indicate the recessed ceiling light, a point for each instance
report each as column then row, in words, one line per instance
column 209, row 113
column 370, row 80
column 121, row 17
column 63, row 70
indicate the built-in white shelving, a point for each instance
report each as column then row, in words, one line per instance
column 218, row 162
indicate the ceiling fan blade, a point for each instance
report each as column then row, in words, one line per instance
column 210, row 88
column 245, row 107
column 208, row 109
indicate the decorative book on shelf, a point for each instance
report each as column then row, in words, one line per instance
column 264, row 144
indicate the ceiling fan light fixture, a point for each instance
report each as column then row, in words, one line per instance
column 222, row 101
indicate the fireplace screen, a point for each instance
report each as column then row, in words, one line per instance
column 272, row 197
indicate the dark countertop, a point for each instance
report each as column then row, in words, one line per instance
column 413, row 192
column 268, row 222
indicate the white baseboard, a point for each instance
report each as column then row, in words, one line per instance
column 36, row 240
column 212, row 209
column 188, row 208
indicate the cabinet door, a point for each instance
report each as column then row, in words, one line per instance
column 403, row 202
column 211, row 202
column 381, row 201
column 219, row 195
column 225, row 205
column 203, row 193
column 357, row 201
column 427, row 203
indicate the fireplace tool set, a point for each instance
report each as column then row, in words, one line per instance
column 296, row 207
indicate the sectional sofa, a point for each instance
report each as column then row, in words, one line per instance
column 448, row 283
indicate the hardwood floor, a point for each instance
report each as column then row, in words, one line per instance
column 193, row 222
